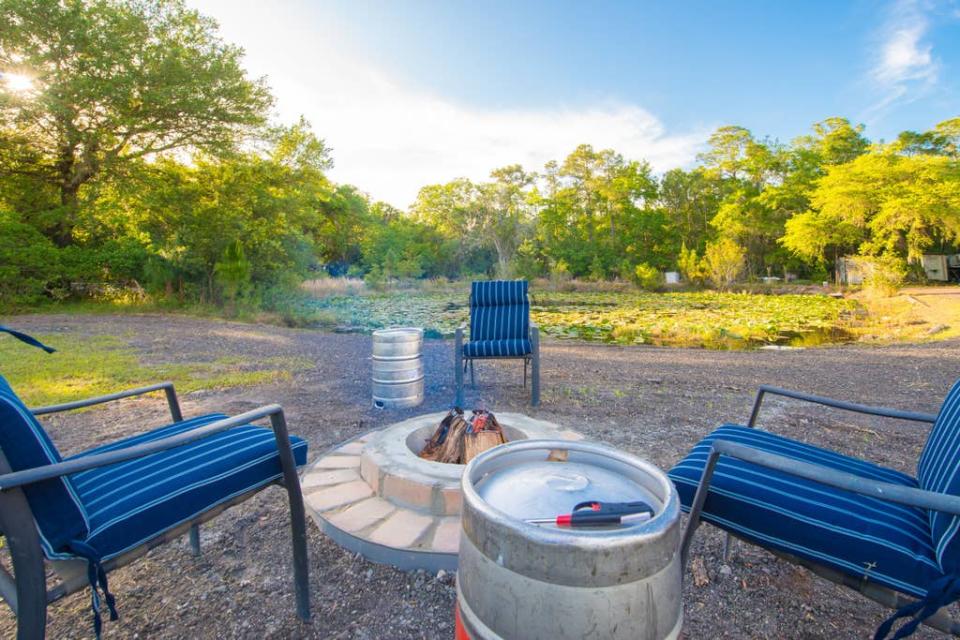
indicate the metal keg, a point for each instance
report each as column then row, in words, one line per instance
column 397, row 367
column 518, row 580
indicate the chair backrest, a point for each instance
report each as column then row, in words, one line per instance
column 939, row 470
column 57, row 510
column 499, row 310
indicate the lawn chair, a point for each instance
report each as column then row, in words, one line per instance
column 883, row 533
column 99, row 510
column 500, row 328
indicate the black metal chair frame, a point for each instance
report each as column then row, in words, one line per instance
column 890, row 492
column 26, row 593
column 462, row 361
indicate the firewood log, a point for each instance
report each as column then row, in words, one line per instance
column 478, row 442
column 451, row 452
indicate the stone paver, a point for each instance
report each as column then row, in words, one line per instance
column 452, row 501
column 401, row 529
column 407, row 491
column 326, row 477
column 370, row 472
column 362, row 514
column 446, row 539
column 337, row 462
column 351, row 448
column 570, row 435
column 339, row 495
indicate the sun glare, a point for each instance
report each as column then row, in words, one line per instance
column 16, row 82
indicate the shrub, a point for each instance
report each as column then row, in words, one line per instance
column 525, row 264
column 560, row 271
column 375, row 278
column 646, row 277
column 690, row 265
column 28, row 263
column 598, row 272
column 723, row 261
column 233, row 271
column 883, row 275
column 116, row 262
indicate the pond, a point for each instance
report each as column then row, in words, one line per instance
column 691, row 319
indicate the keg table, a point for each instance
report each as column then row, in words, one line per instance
column 397, row 367
column 518, row 579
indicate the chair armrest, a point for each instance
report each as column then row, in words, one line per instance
column 930, row 500
column 76, row 465
column 79, row 404
column 836, row 404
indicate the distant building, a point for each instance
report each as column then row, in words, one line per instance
column 849, row 270
column 941, row 268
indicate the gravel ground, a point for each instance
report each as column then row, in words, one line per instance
column 653, row 402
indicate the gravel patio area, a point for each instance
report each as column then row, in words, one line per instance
column 653, row 402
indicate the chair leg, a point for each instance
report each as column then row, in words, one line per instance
column 525, row 362
column 29, row 601
column 458, row 366
column 697, row 507
column 298, row 524
column 727, row 543
column 473, row 380
column 535, row 369
column 195, row 540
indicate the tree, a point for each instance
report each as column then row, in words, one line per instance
column 505, row 212
column 904, row 203
column 115, row 80
column 690, row 199
column 723, row 262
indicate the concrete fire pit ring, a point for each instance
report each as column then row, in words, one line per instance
column 376, row 497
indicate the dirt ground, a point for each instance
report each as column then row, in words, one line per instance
column 652, row 402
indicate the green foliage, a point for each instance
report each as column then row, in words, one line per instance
column 723, row 261
column 597, row 271
column 233, row 270
column 883, row 275
column 28, row 263
column 116, row 81
column 691, row 266
column 646, row 277
column 526, row 263
column 92, row 160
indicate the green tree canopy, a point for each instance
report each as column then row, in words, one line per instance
column 114, row 81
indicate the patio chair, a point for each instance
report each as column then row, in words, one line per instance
column 500, row 328
column 881, row 532
column 94, row 512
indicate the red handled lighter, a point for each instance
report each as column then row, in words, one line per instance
column 594, row 513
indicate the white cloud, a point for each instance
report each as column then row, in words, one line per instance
column 905, row 67
column 390, row 140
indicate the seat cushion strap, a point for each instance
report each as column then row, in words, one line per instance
column 22, row 337
column 942, row 592
column 98, row 581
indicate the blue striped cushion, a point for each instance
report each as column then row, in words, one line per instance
column 56, row 508
column 865, row 537
column 496, row 293
column 939, row 470
column 131, row 502
column 499, row 310
column 495, row 348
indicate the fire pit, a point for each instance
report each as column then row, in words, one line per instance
column 375, row 496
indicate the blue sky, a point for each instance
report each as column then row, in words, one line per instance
column 410, row 93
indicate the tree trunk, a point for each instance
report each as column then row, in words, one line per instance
column 62, row 234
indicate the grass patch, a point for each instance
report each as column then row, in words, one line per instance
column 86, row 367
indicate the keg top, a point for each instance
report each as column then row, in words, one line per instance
column 398, row 334
column 535, row 486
